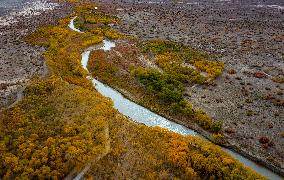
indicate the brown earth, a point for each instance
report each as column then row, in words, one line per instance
column 248, row 38
column 20, row 62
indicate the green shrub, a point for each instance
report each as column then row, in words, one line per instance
column 165, row 86
column 217, row 126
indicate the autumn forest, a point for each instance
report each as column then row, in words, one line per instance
column 63, row 124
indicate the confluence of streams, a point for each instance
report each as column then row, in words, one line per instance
column 141, row 114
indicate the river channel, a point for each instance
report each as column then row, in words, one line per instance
column 143, row 115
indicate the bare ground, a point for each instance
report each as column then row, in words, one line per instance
column 249, row 38
column 20, row 62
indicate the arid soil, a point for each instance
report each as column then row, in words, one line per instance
column 249, row 38
column 20, row 62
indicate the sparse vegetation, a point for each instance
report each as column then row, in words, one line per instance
column 278, row 79
column 98, row 23
column 170, row 54
column 250, row 113
column 161, row 91
column 62, row 124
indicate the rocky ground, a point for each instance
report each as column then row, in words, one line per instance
column 249, row 37
column 19, row 62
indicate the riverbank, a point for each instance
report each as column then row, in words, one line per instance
column 129, row 108
column 116, row 61
column 113, row 131
column 102, row 66
column 246, row 97
column 62, row 123
column 204, row 134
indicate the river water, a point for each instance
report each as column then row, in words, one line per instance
column 141, row 114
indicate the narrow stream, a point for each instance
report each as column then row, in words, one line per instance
column 130, row 109
column 72, row 26
column 142, row 115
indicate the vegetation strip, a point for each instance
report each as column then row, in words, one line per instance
column 61, row 122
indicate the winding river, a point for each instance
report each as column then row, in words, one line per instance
column 141, row 114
